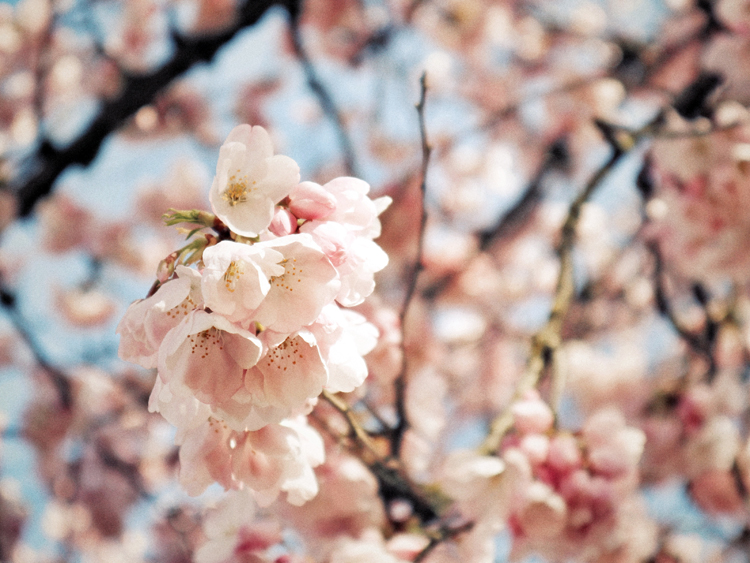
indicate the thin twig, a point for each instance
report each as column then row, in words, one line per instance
column 324, row 97
column 700, row 344
column 59, row 379
column 444, row 534
column 400, row 383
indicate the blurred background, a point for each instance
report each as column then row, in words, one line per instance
column 113, row 111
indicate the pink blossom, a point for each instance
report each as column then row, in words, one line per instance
column 250, row 180
column 564, row 453
column 715, row 491
column 544, row 513
column 297, row 294
column 209, row 355
column 233, row 531
column 147, row 321
column 354, row 209
column 283, row 223
column 532, row 415
column 177, row 404
column 346, row 236
column 272, row 459
column 279, row 385
column 343, row 338
column 206, row 456
column 347, row 504
column 235, row 277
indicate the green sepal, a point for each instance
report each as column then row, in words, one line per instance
column 193, row 216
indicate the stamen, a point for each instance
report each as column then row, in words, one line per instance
column 233, row 274
column 237, row 190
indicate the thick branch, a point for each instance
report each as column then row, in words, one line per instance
column 137, row 91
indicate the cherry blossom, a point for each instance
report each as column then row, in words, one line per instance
column 209, row 355
column 297, row 294
column 250, row 180
column 236, row 276
column 147, row 322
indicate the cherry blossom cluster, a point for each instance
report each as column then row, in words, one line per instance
column 698, row 211
column 561, row 494
column 246, row 341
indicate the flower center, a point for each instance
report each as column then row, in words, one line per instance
column 282, row 281
column 237, row 190
column 203, row 342
column 284, row 354
column 183, row 308
column 233, row 274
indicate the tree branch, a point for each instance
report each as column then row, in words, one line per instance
column 137, row 90
column 324, row 97
column 60, row 380
column 547, row 340
column 700, row 344
column 400, row 383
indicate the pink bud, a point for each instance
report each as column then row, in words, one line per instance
column 536, row 447
column 564, row 453
column 283, row 223
column 311, row 201
column 532, row 415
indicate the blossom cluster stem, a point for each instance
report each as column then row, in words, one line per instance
column 392, row 482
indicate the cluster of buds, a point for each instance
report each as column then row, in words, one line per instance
column 247, row 325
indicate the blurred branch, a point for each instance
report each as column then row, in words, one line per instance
column 444, row 534
column 547, row 340
column 511, row 221
column 324, row 97
column 514, row 219
column 701, row 344
column 137, row 91
column 60, row 380
column 411, row 279
column 131, row 472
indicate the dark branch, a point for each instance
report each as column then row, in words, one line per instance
column 324, row 97
column 137, row 91
column 59, row 379
column 701, row 344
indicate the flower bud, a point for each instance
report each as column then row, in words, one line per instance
column 311, row 201
column 283, row 223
